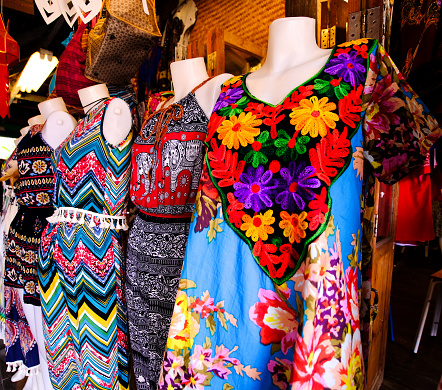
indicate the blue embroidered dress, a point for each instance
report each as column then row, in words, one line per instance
column 270, row 290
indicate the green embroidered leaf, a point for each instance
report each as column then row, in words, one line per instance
column 186, row 284
column 214, row 228
column 263, row 137
column 222, row 319
column 207, row 344
column 242, row 101
column 210, row 323
column 276, row 347
column 227, row 386
column 300, row 144
column 330, row 229
column 209, row 376
column 186, row 354
column 321, row 85
column 342, row 90
column 196, row 316
column 310, row 311
column 277, row 241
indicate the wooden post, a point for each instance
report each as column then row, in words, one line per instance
column 215, row 52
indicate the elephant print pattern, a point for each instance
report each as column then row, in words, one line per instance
column 164, row 185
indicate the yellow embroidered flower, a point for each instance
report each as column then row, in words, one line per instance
column 232, row 80
column 314, row 116
column 294, row 226
column 258, row 226
column 183, row 327
column 39, row 166
column 239, row 130
column 43, row 198
column 355, row 42
column 30, row 257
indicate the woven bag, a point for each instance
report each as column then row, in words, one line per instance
column 70, row 72
column 119, row 43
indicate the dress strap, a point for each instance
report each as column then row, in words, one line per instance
column 201, row 84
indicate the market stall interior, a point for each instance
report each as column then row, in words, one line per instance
column 169, row 128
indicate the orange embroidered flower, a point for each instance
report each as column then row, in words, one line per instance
column 294, row 226
column 258, row 226
column 239, row 130
column 314, row 116
column 232, row 80
column 355, row 42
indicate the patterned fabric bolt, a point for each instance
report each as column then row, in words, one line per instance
column 81, row 263
column 270, row 292
column 157, row 240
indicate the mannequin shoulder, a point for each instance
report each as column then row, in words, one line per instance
column 117, row 121
column 57, row 128
column 208, row 94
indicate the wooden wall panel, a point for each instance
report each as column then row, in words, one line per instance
column 26, row 6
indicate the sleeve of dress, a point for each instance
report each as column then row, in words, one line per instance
column 398, row 128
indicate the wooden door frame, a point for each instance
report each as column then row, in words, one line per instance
column 383, row 249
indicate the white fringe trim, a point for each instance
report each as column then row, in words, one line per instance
column 80, row 216
column 19, row 365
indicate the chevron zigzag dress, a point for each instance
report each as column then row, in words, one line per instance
column 81, row 261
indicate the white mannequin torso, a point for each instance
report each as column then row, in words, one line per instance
column 58, row 123
column 187, row 74
column 117, row 120
column 293, row 57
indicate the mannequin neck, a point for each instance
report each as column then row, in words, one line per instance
column 186, row 75
column 91, row 97
column 292, row 42
column 47, row 107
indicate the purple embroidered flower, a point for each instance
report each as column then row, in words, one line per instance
column 255, row 188
column 348, row 66
column 296, row 188
column 228, row 97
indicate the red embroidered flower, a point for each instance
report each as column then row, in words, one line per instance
column 278, row 322
column 274, row 166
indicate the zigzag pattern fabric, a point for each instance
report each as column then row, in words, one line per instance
column 81, row 265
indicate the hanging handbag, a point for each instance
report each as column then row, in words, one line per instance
column 70, row 72
column 120, row 42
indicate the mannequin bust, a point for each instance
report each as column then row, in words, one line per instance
column 187, row 74
column 35, row 120
column 117, row 120
column 58, row 122
column 289, row 62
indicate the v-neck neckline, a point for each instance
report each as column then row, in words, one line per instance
column 179, row 102
column 246, row 90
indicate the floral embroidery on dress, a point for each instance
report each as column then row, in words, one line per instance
column 249, row 139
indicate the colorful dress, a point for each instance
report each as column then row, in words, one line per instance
column 270, row 290
column 164, row 184
column 34, row 191
column 81, row 261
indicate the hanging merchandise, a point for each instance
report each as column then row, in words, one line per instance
column 49, row 9
column 70, row 71
column 9, row 56
column 87, row 11
column 120, row 42
column 186, row 12
column 68, row 11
